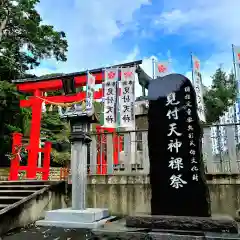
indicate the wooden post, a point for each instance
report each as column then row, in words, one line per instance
column 127, row 153
column 207, row 149
column 145, row 157
column 231, row 146
column 93, row 155
column 110, row 160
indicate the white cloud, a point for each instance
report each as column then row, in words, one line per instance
column 42, row 71
column 91, row 27
column 133, row 55
column 217, row 20
column 147, row 65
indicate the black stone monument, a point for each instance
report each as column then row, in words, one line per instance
column 180, row 202
column 177, row 176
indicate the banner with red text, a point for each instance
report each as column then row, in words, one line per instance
column 110, row 98
column 90, row 88
column 197, row 82
column 236, row 63
column 127, row 98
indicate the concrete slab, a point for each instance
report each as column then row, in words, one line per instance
column 88, row 215
column 80, row 225
column 89, row 218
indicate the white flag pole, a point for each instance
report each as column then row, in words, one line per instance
column 234, row 66
column 237, row 102
column 191, row 54
column 169, row 61
column 118, row 89
column 87, row 87
column 153, row 68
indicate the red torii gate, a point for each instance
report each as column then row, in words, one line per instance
column 38, row 87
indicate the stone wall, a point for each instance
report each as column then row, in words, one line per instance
column 124, row 194
column 131, row 194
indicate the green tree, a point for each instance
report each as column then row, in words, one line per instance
column 24, row 40
column 12, row 117
column 220, row 95
column 57, row 131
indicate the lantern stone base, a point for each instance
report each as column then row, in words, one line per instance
column 68, row 218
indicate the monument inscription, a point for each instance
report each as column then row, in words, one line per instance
column 176, row 166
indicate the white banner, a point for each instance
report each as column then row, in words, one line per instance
column 90, row 88
column 197, row 82
column 110, row 97
column 44, row 109
column 236, row 50
column 161, row 69
column 127, row 99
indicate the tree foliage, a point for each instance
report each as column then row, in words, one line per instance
column 57, row 131
column 24, row 40
column 220, row 95
column 12, row 117
column 24, row 43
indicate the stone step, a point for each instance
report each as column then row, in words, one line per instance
column 10, row 199
column 22, row 187
column 26, row 182
column 22, row 193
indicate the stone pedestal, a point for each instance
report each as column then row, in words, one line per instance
column 68, row 218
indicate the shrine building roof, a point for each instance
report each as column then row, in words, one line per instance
column 75, row 74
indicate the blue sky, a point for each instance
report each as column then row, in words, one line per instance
column 105, row 32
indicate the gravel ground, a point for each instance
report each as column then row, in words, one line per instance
column 33, row 232
column 46, row 233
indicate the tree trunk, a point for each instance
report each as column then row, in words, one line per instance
column 2, row 27
column 3, row 23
